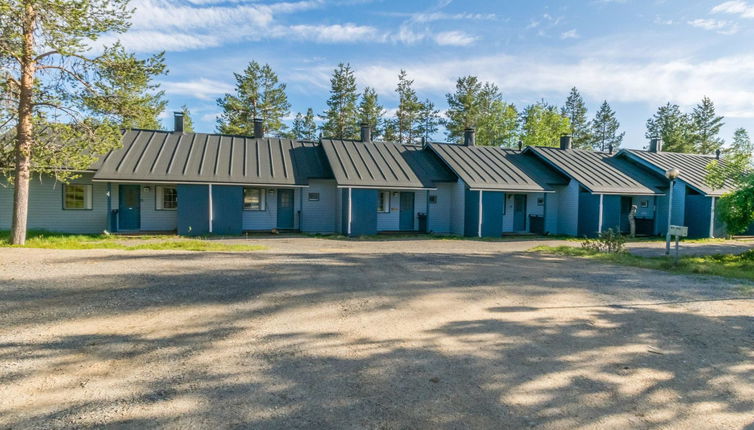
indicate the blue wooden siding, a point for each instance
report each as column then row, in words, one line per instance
column 193, row 209
column 551, row 213
column 151, row 218
column 46, row 207
column 568, row 209
column 319, row 216
column 698, row 212
column 227, row 207
column 390, row 221
column 458, row 208
column 268, row 218
column 532, row 208
column 492, row 213
column 679, row 209
column 363, row 211
column 440, row 212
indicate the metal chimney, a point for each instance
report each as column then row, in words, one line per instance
column 178, row 122
column 258, row 128
column 655, row 144
column 565, row 142
column 469, row 137
column 520, row 145
column 366, row 132
column 610, row 148
column 717, row 154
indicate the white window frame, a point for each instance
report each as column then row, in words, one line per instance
column 159, row 203
column 262, row 199
column 383, row 201
column 313, row 196
column 87, row 194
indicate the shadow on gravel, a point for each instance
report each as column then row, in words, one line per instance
column 523, row 366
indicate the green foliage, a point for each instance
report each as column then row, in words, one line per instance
column 736, row 209
column 371, row 112
column 188, row 123
column 605, row 129
column 542, row 125
column 735, row 163
column 706, row 127
column 304, row 126
column 674, row 127
column 480, row 105
column 428, row 121
column 125, row 84
column 409, row 108
column 341, row 117
column 575, row 110
column 609, row 241
column 258, row 94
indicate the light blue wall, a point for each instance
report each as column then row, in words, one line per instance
column 151, row 218
column 551, row 213
column 458, row 208
column 531, row 209
column 268, row 219
column 440, row 212
column 568, row 208
column 46, row 207
column 319, row 216
column 679, row 208
column 390, row 221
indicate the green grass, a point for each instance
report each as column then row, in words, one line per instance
column 737, row 266
column 47, row 240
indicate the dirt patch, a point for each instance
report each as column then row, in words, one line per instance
column 402, row 334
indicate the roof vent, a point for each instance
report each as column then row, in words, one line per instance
column 258, row 128
column 717, row 154
column 565, row 142
column 520, row 145
column 178, row 122
column 366, row 132
column 469, row 137
column 610, row 148
column 655, row 144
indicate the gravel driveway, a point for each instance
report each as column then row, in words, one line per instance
column 399, row 334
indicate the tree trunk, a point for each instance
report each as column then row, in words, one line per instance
column 24, row 131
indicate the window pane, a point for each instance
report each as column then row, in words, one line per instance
column 169, row 198
column 253, row 199
column 74, row 196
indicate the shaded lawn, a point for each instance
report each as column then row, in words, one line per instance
column 738, row 266
column 49, row 240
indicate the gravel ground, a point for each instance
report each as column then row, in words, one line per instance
column 400, row 334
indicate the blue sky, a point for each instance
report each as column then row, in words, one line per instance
column 635, row 54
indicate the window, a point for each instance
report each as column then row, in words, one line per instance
column 383, row 201
column 167, row 198
column 313, row 197
column 77, row 197
column 253, row 199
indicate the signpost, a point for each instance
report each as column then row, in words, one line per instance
column 678, row 231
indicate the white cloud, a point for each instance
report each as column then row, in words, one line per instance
column 570, row 34
column 454, row 38
column 735, row 7
column 202, row 88
column 346, row 33
column 720, row 26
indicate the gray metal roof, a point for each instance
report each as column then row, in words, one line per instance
column 384, row 164
column 161, row 156
column 599, row 172
column 494, row 168
column 693, row 168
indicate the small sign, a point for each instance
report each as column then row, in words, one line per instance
column 679, row 230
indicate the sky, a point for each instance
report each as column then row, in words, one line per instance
column 635, row 54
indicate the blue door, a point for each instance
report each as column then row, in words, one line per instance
column 407, row 212
column 129, row 207
column 519, row 212
column 285, row 209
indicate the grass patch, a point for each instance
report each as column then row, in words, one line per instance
column 47, row 240
column 737, row 266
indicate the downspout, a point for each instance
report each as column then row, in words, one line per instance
column 602, row 199
column 350, row 216
column 479, row 230
column 712, row 219
column 211, row 214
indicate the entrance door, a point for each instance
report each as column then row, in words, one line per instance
column 129, row 207
column 519, row 212
column 625, row 209
column 285, row 209
column 407, row 212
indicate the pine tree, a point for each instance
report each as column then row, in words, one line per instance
column 408, row 110
column 371, row 112
column 542, row 125
column 464, row 107
column 188, row 123
column 50, row 81
column 304, row 126
column 706, row 127
column 499, row 126
column 604, row 129
column 575, row 110
column 258, row 94
column 674, row 127
column 428, row 120
column 342, row 117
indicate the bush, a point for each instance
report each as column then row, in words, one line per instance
column 609, row 241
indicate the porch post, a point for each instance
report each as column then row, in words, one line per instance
column 211, row 215
column 109, row 215
column 479, row 230
column 350, row 207
column 602, row 200
column 712, row 219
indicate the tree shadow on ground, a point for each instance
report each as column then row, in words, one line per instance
column 260, row 342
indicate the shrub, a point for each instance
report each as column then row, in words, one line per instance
column 609, row 241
